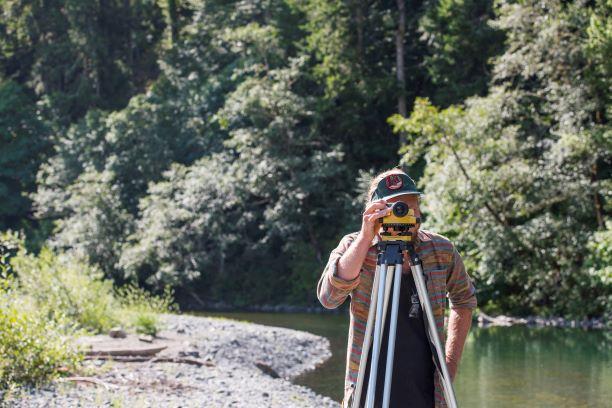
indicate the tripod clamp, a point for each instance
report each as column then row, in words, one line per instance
column 391, row 252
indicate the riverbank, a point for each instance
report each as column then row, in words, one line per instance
column 244, row 361
column 485, row 320
column 479, row 318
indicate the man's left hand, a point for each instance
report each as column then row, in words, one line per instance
column 452, row 368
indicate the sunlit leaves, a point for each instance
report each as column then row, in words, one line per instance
column 514, row 176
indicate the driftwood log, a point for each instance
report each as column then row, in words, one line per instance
column 150, row 351
column 127, row 359
column 89, row 380
column 500, row 320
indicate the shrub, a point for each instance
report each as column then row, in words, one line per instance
column 140, row 309
column 66, row 285
column 48, row 299
column 32, row 347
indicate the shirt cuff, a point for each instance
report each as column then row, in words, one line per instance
column 469, row 303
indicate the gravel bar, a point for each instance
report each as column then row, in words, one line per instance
column 246, row 360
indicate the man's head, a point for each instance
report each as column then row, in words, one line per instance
column 395, row 185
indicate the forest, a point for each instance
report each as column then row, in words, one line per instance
column 223, row 147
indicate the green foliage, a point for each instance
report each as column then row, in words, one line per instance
column 352, row 59
column 460, row 45
column 97, row 219
column 140, row 310
column 214, row 146
column 46, row 300
column 225, row 215
column 63, row 286
column 32, row 347
column 187, row 208
column 517, row 177
column 598, row 264
column 77, row 54
column 135, row 188
column 9, row 245
column 598, row 49
column 23, row 140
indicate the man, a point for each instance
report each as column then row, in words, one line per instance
column 350, row 272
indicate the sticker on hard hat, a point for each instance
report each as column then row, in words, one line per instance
column 394, row 182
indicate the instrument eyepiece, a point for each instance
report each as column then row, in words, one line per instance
column 399, row 209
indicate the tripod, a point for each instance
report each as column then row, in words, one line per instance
column 389, row 265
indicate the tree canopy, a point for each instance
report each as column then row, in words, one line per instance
column 223, row 147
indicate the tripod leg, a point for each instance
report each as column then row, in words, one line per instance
column 388, row 286
column 370, row 396
column 367, row 339
column 449, row 393
column 397, row 285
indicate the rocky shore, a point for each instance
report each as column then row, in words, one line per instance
column 485, row 320
column 248, row 365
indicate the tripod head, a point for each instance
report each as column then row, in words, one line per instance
column 396, row 225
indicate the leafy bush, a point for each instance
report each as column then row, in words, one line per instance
column 140, row 309
column 68, row 286
column 32, row 347
column 48, row 299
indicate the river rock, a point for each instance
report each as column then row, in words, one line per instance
column 117, row 333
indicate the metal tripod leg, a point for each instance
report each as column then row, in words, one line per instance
column 388, row 286
column 387, row 281
column 417, row 274
column 367, row 339
column 377, row 338
column 397, row 285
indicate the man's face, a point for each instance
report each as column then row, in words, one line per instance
column 412, row 200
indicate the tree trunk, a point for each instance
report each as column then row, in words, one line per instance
column 596, row 200
column 399, row 58
column 173, row 20
column 127, row 9
column 359, row 19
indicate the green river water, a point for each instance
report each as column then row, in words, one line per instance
column 500, row 367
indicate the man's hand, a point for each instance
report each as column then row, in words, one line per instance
column 369, row 224
column 350, row 262
column 452, row 368
column 459, row 323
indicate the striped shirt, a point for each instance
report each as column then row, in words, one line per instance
column 446, row 276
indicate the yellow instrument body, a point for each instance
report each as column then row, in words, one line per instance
column 396, row 228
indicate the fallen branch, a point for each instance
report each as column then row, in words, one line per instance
column 128, row 359
column 500, row 320
column 126, row 352
column 89, row 380
column 184, row 360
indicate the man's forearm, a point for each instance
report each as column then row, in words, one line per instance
column 459, row 323
column 350, row 263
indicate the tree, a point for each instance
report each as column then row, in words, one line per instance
column 23, row 143
column 460, row 46
column 510, row 175
column 78, row 54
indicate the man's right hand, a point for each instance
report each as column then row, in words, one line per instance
column 350, row 263
column 369, row 224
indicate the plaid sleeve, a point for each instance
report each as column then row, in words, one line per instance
column 332, row 290
column 461, row 290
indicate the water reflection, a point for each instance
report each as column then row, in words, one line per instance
column 501, row 366
column 535, row 367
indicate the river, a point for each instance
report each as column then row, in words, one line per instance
column 501, row 366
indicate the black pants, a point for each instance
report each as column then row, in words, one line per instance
column 413, row 369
